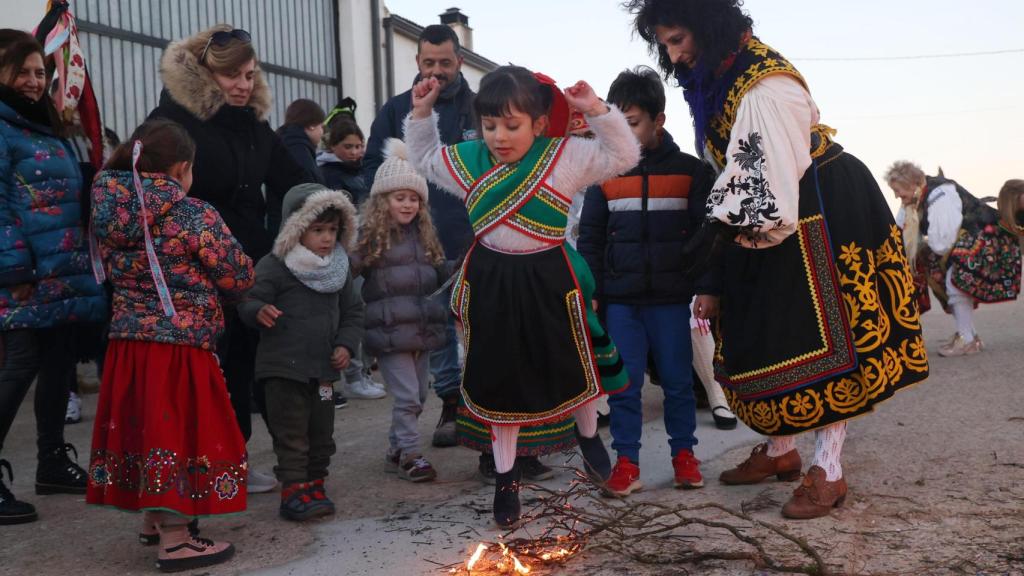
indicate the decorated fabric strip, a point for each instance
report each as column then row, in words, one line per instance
column 154, row 265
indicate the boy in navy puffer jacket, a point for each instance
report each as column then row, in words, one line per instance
column 632, row 232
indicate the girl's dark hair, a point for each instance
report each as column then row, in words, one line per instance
column 508, row 87
column 640, row 87
column 304, row 112
column 164, row 144
column 341, row 127
column 717, row 26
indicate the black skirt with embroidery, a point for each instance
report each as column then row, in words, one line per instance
column 823, row 326
column 534, row 349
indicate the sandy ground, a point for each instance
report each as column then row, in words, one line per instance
column 936, row 487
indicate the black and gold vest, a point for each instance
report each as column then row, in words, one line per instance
column 754, row 62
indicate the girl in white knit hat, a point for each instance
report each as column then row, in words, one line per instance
column 402, row 260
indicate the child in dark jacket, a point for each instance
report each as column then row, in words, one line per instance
column 342, row 163
column 165, row 441
column 311, row 322
column 403, row 263
column 632, row 231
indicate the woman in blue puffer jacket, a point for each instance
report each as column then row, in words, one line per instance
column 45, row 277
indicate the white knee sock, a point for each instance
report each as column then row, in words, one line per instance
column 504, row 441
column 586, row 419
column 963, row 309
column 828, row 448
column 703, row 363
column 779, row 445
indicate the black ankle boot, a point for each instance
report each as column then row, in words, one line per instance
column 58, row 474
column 507, row 510
column 12, row 510
column 595, row 457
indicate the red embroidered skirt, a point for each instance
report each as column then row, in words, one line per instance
column 165, row 436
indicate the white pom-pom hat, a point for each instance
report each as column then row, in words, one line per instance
column 397, row 173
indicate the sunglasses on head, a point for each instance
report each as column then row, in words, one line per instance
column 222, row 38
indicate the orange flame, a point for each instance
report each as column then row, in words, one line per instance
column 480, row 549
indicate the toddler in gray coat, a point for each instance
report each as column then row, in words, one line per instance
column 310, row 319
column 402, row 260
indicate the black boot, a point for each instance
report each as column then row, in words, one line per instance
column 57, row 474
column 507, row 510
column 12, row 510
column 444, row 434
column 595, row 457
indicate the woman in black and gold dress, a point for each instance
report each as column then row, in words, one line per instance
column 818, row 323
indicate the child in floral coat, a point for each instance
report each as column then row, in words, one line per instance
column 164, row 441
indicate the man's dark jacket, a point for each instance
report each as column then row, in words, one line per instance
column 455, row 109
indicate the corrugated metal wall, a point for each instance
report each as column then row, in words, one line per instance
column 123, row 41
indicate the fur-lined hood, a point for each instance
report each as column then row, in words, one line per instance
column 302, row 204
column 192, row 85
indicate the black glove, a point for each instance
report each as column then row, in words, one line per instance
column 705, row 247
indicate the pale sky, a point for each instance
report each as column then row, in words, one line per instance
column 965, row 114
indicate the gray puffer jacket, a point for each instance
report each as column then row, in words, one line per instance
column 400, row 317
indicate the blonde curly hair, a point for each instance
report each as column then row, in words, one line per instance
column 378, row 230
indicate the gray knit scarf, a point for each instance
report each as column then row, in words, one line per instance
column 325, row 275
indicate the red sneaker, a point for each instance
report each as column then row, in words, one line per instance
column 687, row 470
column 625, row 478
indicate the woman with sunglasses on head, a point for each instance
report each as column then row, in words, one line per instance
column 213, row 86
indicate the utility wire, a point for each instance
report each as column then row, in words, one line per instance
column 916, row 57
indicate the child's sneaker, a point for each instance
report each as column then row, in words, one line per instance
column 316, row 490
column 687, row 470
column 340, row 401
column 363, row 390
column 73, row 414
column 415, row 468
column 180, row 551
column 298, row 503
column 625, row 478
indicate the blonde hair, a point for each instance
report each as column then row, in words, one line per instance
column 904, row 172
column 377, row 230
column 1009, row 206
column 220, row 59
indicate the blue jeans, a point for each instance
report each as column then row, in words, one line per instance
column 664, row 331
column 444, row 362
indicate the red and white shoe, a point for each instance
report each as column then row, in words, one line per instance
column 625, row 478
column 687, row 470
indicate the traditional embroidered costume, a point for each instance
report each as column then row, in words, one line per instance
column 818, row 320
column 968, row 250
column 535, row 351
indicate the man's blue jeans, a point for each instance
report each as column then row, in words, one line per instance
column 444, row 362
column 664, row 330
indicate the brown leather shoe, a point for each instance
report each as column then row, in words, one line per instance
column 815, row 496
column 760, row 466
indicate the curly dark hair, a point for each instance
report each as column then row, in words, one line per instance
column 717, row 26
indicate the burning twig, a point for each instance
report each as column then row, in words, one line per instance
column 570, row 521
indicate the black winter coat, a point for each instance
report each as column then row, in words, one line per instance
column 633, row 228
column 345, row 176
column 302, row 150
column 455, row 110
column 236, row 154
